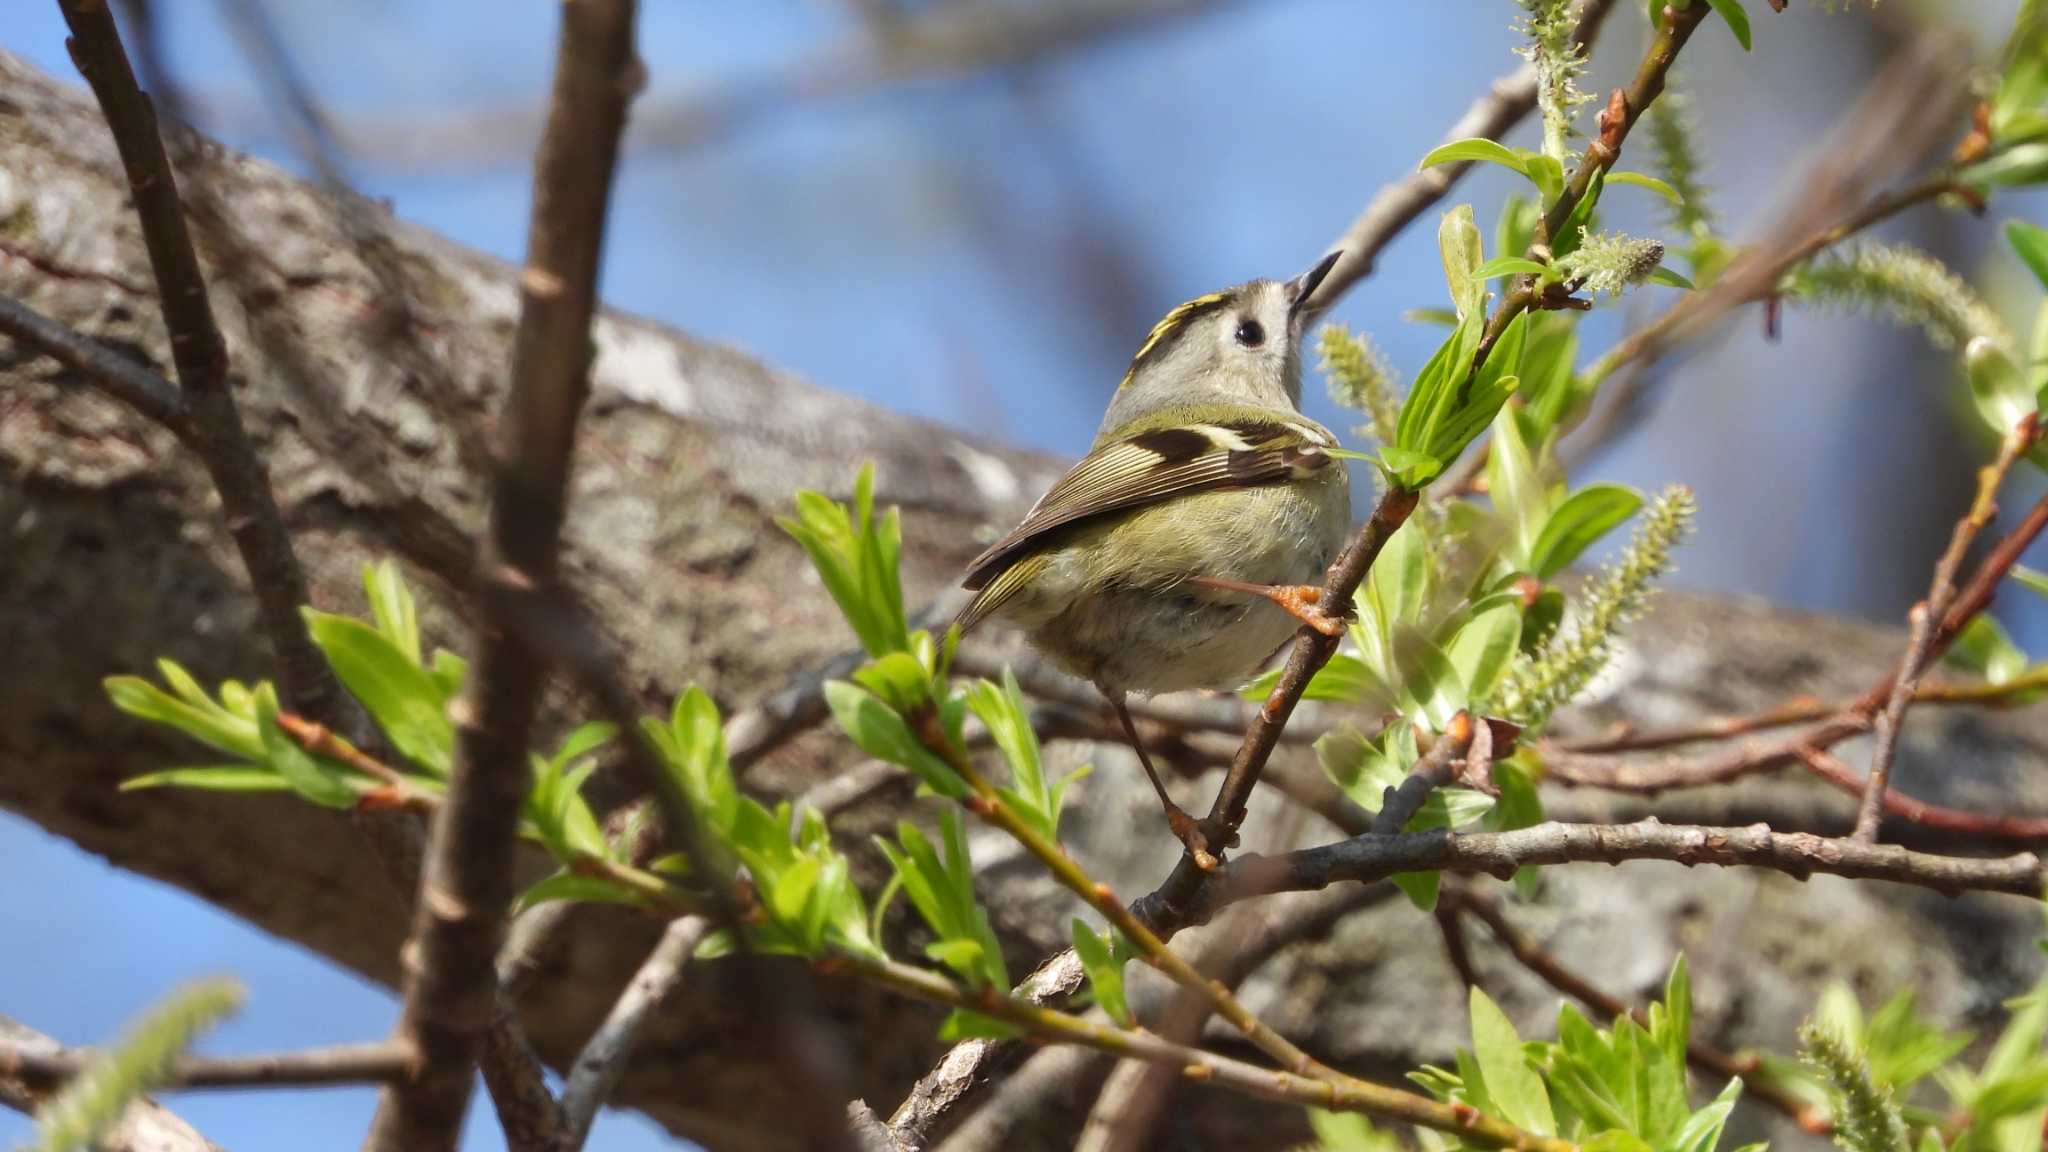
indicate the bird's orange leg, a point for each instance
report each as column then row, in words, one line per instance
column 1301, row 601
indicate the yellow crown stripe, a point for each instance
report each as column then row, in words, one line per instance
column 1172, row 320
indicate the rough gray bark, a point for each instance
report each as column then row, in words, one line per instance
column 115, row 554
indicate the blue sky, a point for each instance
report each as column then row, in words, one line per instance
column 985, row 253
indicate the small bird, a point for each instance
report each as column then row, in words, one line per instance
column 1181, row 552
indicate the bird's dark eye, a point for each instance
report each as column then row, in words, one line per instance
column 1251, row 333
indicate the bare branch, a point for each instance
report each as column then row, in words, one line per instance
column 129, row 380
column 1800, row 854
column 145, row 1127
column 201, row 357
column 603, row 1060
column 340, row 1064
column 1920, row 650
column 467, row 883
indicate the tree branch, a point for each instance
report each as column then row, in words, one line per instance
column 341, row 1064
column 126, row 379
column 467, row 882
column 1375, row 857
column 1920, row 651
column 602, row 1062
column 200, row 354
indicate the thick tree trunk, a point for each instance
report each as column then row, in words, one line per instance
column 114, row 554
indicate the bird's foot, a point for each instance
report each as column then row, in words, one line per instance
column 1301, row 601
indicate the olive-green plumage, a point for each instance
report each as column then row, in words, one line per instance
column 1204, row 468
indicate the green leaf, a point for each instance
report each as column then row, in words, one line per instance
column 449, row 671
column 1509, row 266
column 2031, row 580
column 883, row 734
column 1677, row 1014
column 212, row 778
column 2031, row 242
column 1702, row 1130
column 2020, row 1042
column 1738, row 20
column 1510, row 1080
column 1518, row 494
column 1002, row 711
column 1476, row 148
column 574, row 887
column 1407, row 467
column 584, row 739
column 1483, row 645
column 1984, row 648
column 321, row 783
column 401, row 696
column 1547, row 174
column 791, row 891
column 392, row 607
column 209, row 725
column 856, row 558
column 2000, row 391
column 2014, row 167
column 1579, row 522
column 965, row 1025
column 1670, row 279
column 1642, row 180
column 1105, row 972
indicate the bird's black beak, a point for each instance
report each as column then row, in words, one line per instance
column 1305, row 285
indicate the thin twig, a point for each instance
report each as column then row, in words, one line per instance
column 598, row 1068
column 1344, row 1094
column 467, row 882
column 1551, row 971
column 1920, row 623
column 1973, row 824
column 990, row 807
column 126, row 379
column 341, row 1064
column 1395, row 206
column 1801, row 710
column 1431, row 772
column 200, row 354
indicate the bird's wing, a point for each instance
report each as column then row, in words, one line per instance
column 1147, row 468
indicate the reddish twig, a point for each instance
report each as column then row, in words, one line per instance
column 1831, row 769
column 1800, row 710
column 1920, row 653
